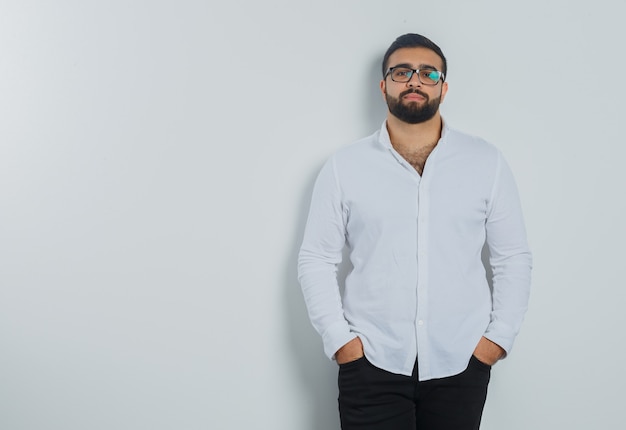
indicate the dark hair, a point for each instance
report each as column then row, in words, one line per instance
column 412, row 40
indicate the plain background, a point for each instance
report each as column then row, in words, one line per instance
column 156, row 165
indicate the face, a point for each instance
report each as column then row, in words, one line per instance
column 413, row 102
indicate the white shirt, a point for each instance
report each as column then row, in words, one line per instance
column 418, row 287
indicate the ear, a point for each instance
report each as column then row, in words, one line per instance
column 383, row 89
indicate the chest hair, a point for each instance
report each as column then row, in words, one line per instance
column 417, row 157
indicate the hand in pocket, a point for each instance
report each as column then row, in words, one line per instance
column 351, row 351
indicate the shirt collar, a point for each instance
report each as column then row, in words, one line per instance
column 385, row 140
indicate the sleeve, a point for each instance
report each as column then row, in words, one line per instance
column 320, row 253
column 510, row 259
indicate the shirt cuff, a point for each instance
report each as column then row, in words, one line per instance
column 336, row 336
column 502, row 335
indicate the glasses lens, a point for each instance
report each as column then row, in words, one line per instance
column 401, row 74
column 429, row 77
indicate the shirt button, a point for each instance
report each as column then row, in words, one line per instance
column 420, row 322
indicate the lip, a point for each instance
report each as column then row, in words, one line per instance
column 414, row 97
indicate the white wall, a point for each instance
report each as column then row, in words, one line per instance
column 156, row 162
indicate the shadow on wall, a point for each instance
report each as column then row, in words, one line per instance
column 317, row 374
column 375, row 109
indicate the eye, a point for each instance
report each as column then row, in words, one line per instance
column 402, row 73
column 430, row 75
column 434, row 75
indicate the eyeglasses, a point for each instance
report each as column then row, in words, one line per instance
column 425, row 76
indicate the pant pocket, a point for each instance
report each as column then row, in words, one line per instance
column 478, row 364
column 352, row 363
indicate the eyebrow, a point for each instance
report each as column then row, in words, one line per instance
column 410, row 66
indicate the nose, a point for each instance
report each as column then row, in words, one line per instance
column 413, row 81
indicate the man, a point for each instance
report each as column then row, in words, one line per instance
column 418, row 327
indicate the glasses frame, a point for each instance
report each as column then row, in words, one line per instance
column 415, row 72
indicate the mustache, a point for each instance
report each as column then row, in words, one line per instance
column 416, row 91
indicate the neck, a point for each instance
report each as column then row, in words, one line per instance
column 414, row 136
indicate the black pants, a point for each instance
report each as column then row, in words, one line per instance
column 374, row 399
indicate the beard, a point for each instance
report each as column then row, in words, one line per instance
column 412, row 112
